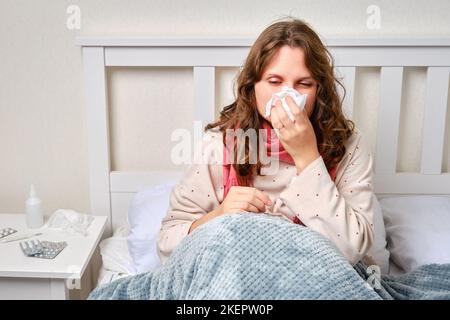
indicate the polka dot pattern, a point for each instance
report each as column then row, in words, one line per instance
column 311, row 192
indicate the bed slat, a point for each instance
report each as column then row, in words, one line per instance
column 434, row 119
column 391, row 79
column 204, row 86
column 97, row 125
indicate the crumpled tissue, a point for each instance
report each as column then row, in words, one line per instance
column 70, row 221
column 300, row 100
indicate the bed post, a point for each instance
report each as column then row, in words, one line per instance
column 97, row 126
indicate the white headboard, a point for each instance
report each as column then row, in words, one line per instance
column 111, row 191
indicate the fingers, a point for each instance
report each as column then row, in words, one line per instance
column 263, row 197
column 248, row 199
column 281, row 116
column 275, row 119
column 286, row 113
column 300, row 115
column 253, row 200
column 287, row 109
column 239, row 206
column 245, row 206
column 253, row 191
column 294, row 108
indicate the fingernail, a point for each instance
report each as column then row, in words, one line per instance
column 269, row 202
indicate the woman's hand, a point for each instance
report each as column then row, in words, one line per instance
column 238, row 199
column 297, row 137
column 241, row 199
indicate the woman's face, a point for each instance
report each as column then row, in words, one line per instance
column 287, row 68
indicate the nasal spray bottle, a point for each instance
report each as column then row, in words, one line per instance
column 35, row 218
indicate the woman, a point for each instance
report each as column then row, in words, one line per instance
column 324, row 179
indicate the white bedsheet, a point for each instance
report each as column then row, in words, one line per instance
column 116, row 259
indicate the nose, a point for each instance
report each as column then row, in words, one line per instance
column 285, row 84
column 289, row 84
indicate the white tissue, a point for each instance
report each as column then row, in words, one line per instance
column 70, row 220
column 300, row 100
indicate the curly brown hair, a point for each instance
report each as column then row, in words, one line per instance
column 331, row 127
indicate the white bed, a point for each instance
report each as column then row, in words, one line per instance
column 111, row 191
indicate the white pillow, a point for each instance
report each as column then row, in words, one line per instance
column 418, row 230
column 145, row 213
column 379, row 251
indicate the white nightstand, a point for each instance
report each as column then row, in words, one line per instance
column 23, row 277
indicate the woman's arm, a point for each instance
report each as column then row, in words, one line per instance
column 198, row 193
column 238, row 199
column 342, row 210
column 198, row 198
column 205, row 218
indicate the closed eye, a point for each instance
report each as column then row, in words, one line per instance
column 301, row 83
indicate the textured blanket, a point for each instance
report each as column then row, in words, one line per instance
column 257, row 256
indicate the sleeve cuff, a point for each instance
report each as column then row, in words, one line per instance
column 313, row 166
column 310, row 191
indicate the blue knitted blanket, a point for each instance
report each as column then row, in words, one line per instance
column 257, row 256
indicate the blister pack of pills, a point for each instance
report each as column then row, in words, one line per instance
column 42, row 249
column 6, row 232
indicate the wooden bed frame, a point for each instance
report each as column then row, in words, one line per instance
column 111, row 191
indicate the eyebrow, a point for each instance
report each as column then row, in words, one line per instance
column 278, row 76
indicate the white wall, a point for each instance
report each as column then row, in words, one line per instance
column 43, row 137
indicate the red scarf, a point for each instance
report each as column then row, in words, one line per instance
column 229, row 173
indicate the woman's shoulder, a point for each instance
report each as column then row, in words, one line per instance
column 212, row 138
column 357, row 153
column 356, row 139
column 209, row 151
column 355, row 146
